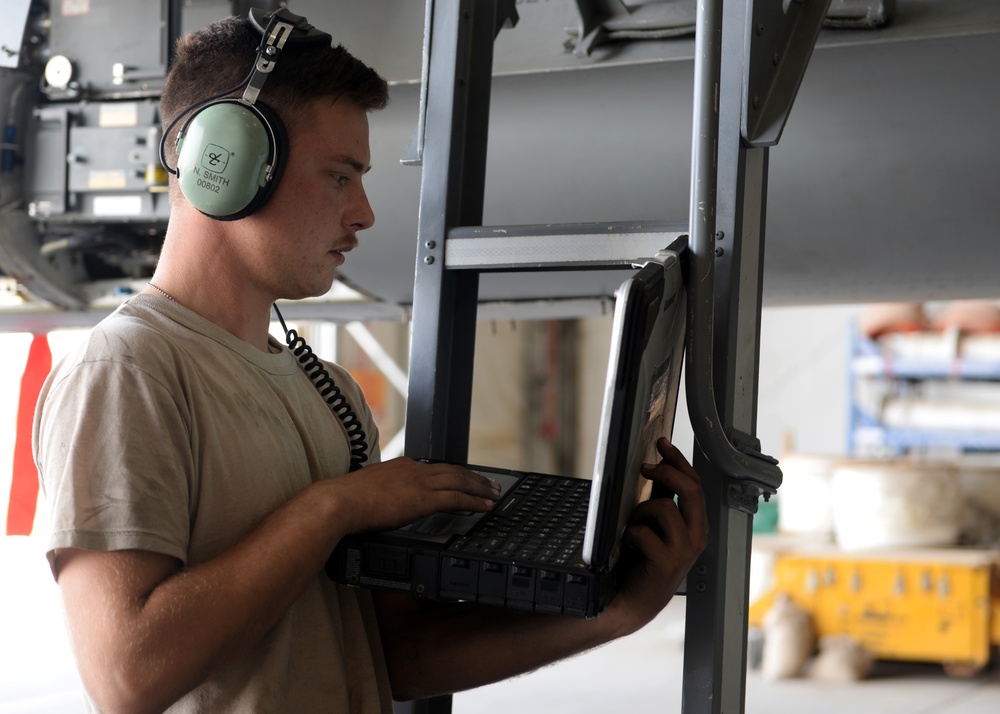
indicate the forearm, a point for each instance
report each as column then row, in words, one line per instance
column 144, row 652
column 238, row 596
column 436, row 649
column 147, row 632
column 433, row 649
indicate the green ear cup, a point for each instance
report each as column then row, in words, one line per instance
column 227, row 158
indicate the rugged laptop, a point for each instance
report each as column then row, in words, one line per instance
column 551, row 543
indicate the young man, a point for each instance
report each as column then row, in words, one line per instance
column 198, row 481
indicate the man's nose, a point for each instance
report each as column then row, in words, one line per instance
column 362, row 216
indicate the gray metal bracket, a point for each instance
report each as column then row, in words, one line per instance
column 780, row 40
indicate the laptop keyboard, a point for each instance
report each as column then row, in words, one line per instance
column 542, row 521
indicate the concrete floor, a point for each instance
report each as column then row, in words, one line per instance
column 642, row 675
column 637, row 675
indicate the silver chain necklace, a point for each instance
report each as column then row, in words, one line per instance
column 270, row 348
column 161, row 290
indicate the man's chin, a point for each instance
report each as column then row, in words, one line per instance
column 314, row 291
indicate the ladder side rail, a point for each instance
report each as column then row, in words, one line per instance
column 453, row 177
column 714, row 660
column 718, row 588
column 451, row 194
column 728, row 210
column 727, row 193
column 745, row 462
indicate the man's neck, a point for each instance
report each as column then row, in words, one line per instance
column 200, row 276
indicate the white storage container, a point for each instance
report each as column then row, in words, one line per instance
column 896, row 503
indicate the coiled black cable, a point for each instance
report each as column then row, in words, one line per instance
column 330, row 392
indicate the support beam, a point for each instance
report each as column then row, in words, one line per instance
column 459, row 82
column 451, row 194
column 718, row 586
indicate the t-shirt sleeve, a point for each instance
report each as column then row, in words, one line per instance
column 114, row 456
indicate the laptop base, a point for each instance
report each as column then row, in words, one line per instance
column 457, row 569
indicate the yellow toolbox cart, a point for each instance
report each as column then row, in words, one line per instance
column 929, row 605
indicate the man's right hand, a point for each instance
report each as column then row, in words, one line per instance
column 393, row 493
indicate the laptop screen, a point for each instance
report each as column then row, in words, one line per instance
column 640, row 400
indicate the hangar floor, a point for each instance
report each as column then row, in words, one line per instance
column 642, row 675
column 637, row 675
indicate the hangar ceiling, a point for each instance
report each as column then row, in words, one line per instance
column 883, row 186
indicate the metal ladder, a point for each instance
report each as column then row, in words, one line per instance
column 748, row 65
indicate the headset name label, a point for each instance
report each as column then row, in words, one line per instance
column 210, row 181
column 210, row 176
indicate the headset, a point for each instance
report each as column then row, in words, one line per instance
column 232, row 151
column 230, row 155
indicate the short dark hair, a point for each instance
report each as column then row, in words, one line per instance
column 220, row 56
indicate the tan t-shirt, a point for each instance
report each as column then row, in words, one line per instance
column 166, row 433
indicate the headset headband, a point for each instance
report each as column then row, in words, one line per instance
column 304, row 33
column 278, row 29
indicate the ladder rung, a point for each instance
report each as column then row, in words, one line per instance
column 557, row 245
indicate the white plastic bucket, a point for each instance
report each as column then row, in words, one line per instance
column 879, row 504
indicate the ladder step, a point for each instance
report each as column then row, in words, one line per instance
column 557, row 246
